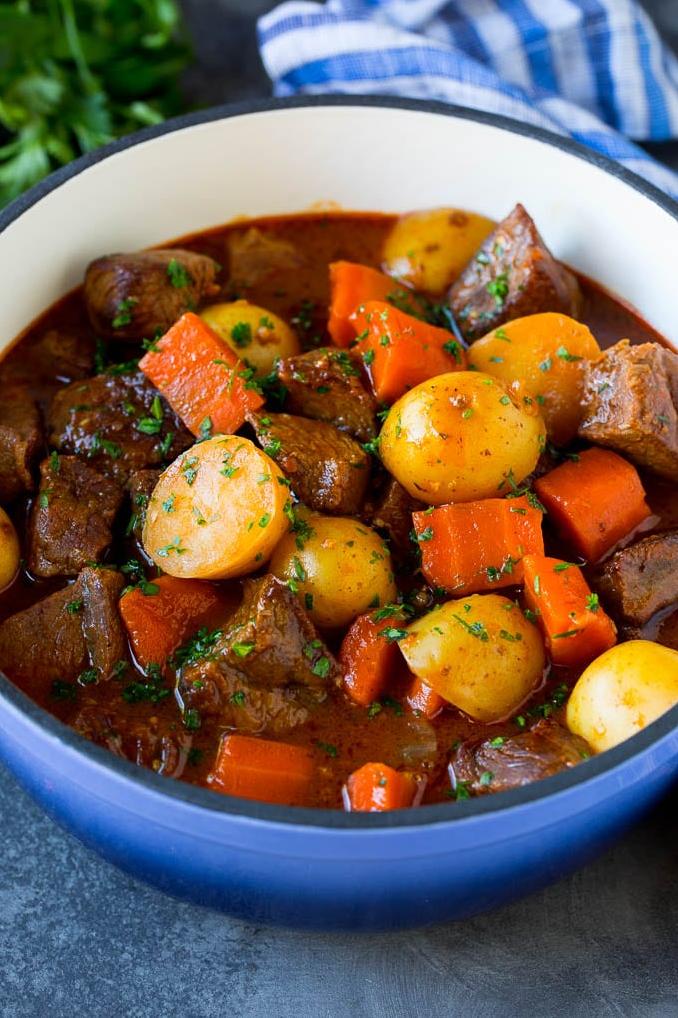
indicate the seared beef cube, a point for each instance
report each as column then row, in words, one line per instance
column 501, row 763
column 325, row 385
column 72, row 517
column 141, row 485
column 118, row 422
column 67, row 355
column 45, row 642
column 137, row 295
column 101, row 624
column 69, row 633
column 642, row 579
column 267, row 669
column 393, row 512
column 256, row 258
column 512, row 275
column 327, row 469
column 146, row 742
column 631, row 405
column 20, row 441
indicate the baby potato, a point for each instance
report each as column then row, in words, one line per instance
column 217, row 511
column 9, row 551
column 340, row 568
column 429, row 249
column 541, row 356
column 255, row 334
column 480, row 653
column 622, row 691
column 457, row 437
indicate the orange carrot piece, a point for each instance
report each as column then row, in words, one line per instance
column 575, row 627
column 352, row 284
column 375, row 788
column 401, row 351
column 199, row 377
column 158, row 623
column 423, row 700
column 472, row 546
column 367, row 659
column 594, row 501
column 252, row 768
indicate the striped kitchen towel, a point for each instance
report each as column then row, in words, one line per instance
column 595, row 70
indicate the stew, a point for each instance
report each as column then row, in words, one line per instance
column 343, row 510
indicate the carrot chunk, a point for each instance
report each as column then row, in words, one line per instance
column 575, row 627
column 260, row 769
column 351, row 285
column 158, row 623
column 594, row 501
column 367, row 659
column 199, row 376
column 401, row 351
column 472, row 546
column 423, row 700
column 375, row 788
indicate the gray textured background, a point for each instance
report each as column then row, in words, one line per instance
column 79, row 938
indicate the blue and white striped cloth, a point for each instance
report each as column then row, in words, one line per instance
column 592, row 69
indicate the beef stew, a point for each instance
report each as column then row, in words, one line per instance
column 245, row 568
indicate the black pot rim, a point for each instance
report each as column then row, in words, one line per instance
column 325, row 818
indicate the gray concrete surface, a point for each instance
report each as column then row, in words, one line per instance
column 77, row 938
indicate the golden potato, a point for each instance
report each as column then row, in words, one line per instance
column 622, row 691
column 218, row 511
column 429, row 249
column 480, row 653
column 339, row 567
column 459, row 437
column 255, row 334
column 542, row 356
column 9, row 551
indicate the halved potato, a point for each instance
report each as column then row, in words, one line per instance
column 217, row 511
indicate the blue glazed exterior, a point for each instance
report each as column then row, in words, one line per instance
column 326, row 869
column 327, row 877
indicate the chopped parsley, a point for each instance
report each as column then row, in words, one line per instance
column 241, row 334
column 178, row 274
column 499, row 288
column 199, row 647
column 123, row 312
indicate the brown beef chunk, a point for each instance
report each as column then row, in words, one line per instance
column 72, row 517
column 45, row 642
column 63, row 635
column 327, row 469
column 118, row 422
column 146, row 742
column 137, row 295
column 101, row 625
column 642, row 579
column 513, row 274
column 255, row 258
column 268, row 668
column 393, row 512
column 325, row 385
column 488, row 765
column 631, row 404
column 20, row 441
